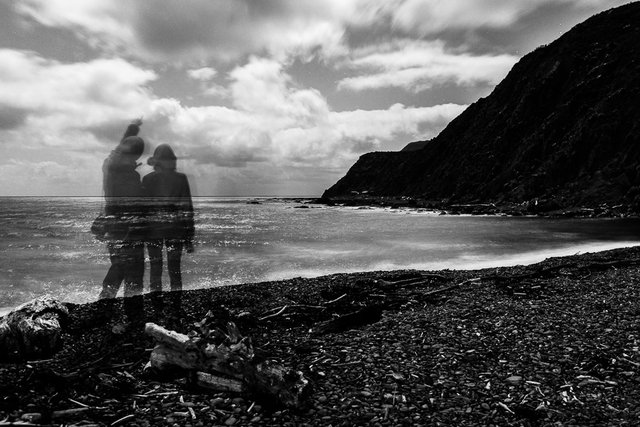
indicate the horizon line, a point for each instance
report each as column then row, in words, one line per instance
column 192, row 196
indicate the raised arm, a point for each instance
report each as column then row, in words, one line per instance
column 133, row 129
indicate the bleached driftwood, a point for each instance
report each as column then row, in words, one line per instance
column 218, row 383
column 164, row 336
column 226, row 366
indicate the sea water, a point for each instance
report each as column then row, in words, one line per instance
column 46, row 246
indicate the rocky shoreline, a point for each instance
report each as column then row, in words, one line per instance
column 547, row 208
column 555, row 343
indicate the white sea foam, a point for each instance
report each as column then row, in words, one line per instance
column 474, row 262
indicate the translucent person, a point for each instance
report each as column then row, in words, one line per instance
column 125, row 234
column 170, row 222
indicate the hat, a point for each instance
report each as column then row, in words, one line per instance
column 131, row 145
column 163, row 156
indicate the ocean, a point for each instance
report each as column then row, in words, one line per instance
column 46, row 246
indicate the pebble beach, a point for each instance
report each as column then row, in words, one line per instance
column 553, row 343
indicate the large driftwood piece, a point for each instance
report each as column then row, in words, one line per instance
column 33, row 330
column 163, row 356
column 171, row 338
column 225, row 366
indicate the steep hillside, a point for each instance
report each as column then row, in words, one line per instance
column 563, row 125
column 415, row 146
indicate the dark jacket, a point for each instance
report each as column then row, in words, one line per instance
column 122, row 193
column 169, row 205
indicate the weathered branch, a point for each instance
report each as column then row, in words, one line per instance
column 398, row 283
column 448, row 288
column 364, row 316
column 218, row 383
column 275, row 314
column 333, row 301
column 293, row 306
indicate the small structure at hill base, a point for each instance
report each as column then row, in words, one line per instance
column 32, row 330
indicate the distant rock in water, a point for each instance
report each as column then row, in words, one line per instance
column 564, row 125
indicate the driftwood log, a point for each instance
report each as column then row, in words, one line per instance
column 226, row 364
column 33, row 330
column 356, row 319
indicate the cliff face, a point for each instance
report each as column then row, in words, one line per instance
column 564, row 125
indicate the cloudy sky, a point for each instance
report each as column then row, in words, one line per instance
column 257, row 97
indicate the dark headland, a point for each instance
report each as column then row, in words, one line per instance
column 560, row 133
column 555, row 343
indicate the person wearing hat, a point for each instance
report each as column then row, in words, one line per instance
column 125, row 231
column 170, row 224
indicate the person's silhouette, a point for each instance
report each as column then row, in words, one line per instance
column 125, row 232
column 170, row 210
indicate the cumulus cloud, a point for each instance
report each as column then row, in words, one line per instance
column 94, row 22
column 205, row 76
column 262, row 86
column 54, row 97
column 427, row 16
column 200, row 29
column 197, row 30
column 69, row 111
column 274, row 121
column 384, row 124
column 417, row 65
column 56, row 119
column 202, row 74
column 430, row 16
